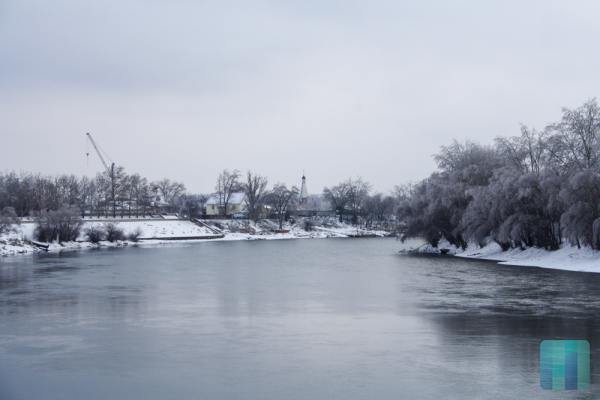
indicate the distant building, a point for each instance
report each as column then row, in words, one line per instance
column 214, row 205
column 157, row 200
column 310, row 205
column 303, row 191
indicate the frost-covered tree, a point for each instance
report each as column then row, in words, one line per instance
column 528, row 152
column 581, row 195
column 525, row 218
column 575, row 140
column 468, row 163
column 434, row 210
column 529, row 190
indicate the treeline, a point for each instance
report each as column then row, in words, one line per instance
column 117, row 193
column 114, row 195
column 350, row 200
column 536, row 189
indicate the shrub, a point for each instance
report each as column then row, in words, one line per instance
column 309, row 225
column 8, row 220
column 95, row 234
column 113, row 232
column 135, row 235
column 63, row 225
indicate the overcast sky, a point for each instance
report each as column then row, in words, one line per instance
column 183, row 89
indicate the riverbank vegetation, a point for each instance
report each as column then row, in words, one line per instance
column 537, row 189
column 59, row 204
column 122, row 195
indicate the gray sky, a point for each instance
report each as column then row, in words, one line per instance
column 183, row 89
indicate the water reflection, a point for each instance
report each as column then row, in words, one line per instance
column 347, row 319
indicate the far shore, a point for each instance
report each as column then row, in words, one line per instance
column 171, row 231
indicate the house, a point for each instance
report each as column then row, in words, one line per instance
column 215, row 203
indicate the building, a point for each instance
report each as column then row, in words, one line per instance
column 236, row 205
column 312, row 205
column 303, row 191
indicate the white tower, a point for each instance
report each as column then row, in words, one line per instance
column 303, row 190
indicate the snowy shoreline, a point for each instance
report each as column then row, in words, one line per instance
column 567, row 258
column 168, row 232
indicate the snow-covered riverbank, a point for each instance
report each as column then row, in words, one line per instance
column 159, row 232
column 568, row 258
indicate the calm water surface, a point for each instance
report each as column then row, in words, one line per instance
column 294, row 319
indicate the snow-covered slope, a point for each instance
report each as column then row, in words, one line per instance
column 157, row 229
column 266, row 229
column 150, row 228
column 568, row 258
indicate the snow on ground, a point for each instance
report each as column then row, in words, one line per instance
column 14, row 244
column 162, row 231
column 266, row 229
column 156, row 229
column 568, row 258
column 150, row 228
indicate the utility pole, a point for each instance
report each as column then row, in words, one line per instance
column 112, row 190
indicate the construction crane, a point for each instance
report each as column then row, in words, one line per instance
column 100, row 156
column 110, row 170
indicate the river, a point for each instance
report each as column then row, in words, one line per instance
column 287, row 319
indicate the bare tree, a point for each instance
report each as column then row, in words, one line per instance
column 357, row 193
column 192, row 204
column 169, row 190
column 114, row 232
column 62, row 225
column 379, row 208
column 281, row 199
column 95, row 233
column 227, row 184
column 348, row 196
column 255, row 189
column 67, row 187
column 338, row 197
column 118, row 182
column 105, row 194
column 139, row 193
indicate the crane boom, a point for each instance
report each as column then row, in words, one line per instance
column 110, row 170
column 91, row 139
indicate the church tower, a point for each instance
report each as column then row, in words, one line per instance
column 303, row 190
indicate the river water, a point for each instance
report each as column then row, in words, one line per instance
column 288, row 319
